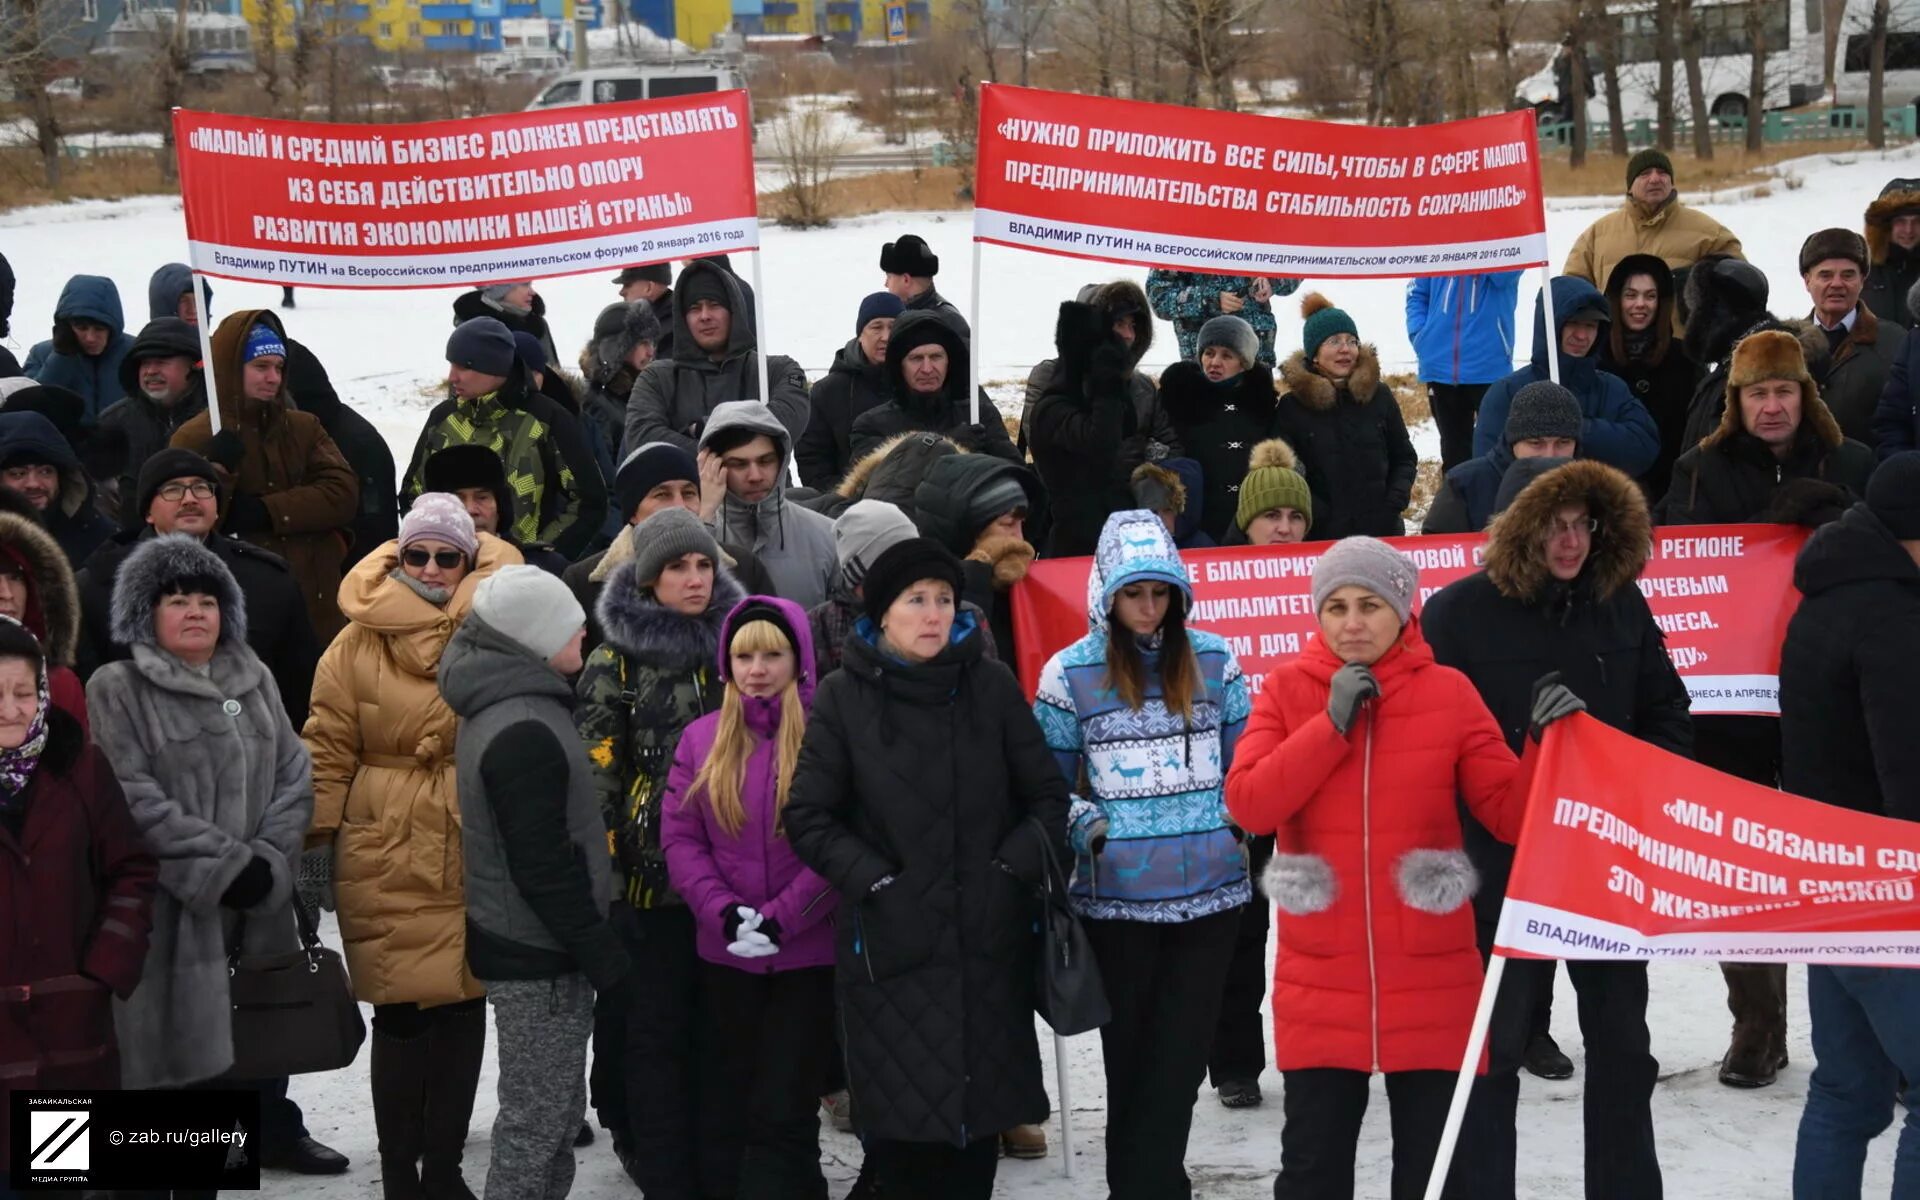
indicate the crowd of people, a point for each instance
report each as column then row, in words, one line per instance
column 673, row 721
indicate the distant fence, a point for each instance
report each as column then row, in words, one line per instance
column 1818, row 125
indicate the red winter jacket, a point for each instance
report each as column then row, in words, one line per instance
column 1377, row 968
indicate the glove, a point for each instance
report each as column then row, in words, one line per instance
column 1353, row 685
column 247, row 513
column 746, row 941
column 250, row 886
column 971, row 438
column 226, row 449
column 315, row 880
column 1552, row 700
column 1108, row 369
column 733, row 916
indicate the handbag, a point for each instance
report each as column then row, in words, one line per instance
column 1069, row 993
column 293, row 1013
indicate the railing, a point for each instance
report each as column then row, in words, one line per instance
column 1817, row 125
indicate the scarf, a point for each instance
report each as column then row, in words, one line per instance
column 17, row 765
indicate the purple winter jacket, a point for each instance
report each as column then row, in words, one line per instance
column 714, row 870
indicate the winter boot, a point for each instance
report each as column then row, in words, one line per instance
column 1544, row 1059
column 1239, row 1093
column 457, row 1044
column 1024, row 1141
column 1757, row 997
column 399, row 1111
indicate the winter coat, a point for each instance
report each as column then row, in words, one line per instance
column 852, row 386
column 795, row 544
column 1154, row 776
column 931, row 301
column 1847, row 669
column 1676, row 232
column 382, row 742
column 1219, row 424
column 717, row 871
column 1508, row 625
column 651, row 678
column 1461, row 326
column 59, row 361
column 378, row 519
column 1661, row 376
column 1732, row 477
column 675, row 395
column 1151, row 423
column 52, row 610
column 145, row 426
column 533, row 846
column 1856, row 374
column 1617, row 428
column 947, row 413
column 79, row 881
column 469, row 305
column 71, row 518
column 550, row 469
column 1189, row 299
column 1377, row 968
column 1085, row 434
column 215, row 777
column 1465, row 501
column 892, row 472
column 166, row 285
column 1892, row 272
column 1352, row 445
column 989, row 567
column 932, row 775
column 1896, row 419
column 588, row 576
column 289, row 462
column 830, row 623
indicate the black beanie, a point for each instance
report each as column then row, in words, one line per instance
column 703, row 284
column 909, row 256
column 901, row 566
column 163, row 465
column 1893, row 495
column 647, row 468
column 470, row 466
column 1647, row 160
column 484, row 345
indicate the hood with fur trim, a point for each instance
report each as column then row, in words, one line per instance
column 1318, row 392
column 153, row 566
column 1190, row 398
column 1775, row 354
column 652, row 634
column 1900, row 195
column 1124, row 295
column 917, row 451
column 1515, row 564
column 53, row 598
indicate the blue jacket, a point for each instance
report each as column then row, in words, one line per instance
column 59, row 361
column 1618, row 430
column 1896, row 419
column 1171, row 853
column 1462, row 325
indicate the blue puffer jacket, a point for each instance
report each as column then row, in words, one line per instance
column 59, row 361
column 1462, row 325
column 1171, row 853
column 1618, row 430
column 1896, row 420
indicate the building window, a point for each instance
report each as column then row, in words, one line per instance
column 89, row 10
column 413, row 29
column 484, row 29
column 386, row 30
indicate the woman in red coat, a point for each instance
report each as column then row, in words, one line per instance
column 76, row 885
column 1353, row 757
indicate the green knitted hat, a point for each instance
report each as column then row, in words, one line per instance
column 1273, row 481
column 1647, row 160
column 1323, row 322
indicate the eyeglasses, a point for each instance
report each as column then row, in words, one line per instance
column 446, row 560
column 1588, row 525
column 173, row 492
column 1342, row 341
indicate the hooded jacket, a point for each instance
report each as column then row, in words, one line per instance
column 1847, row 670
column 674, row 397
column 1676, row 232
column 891, row 471
column 71, row 516
column 1465, row 502
column 716, row 870
column 60, row 361
column 931, row 301
column 146, row 426
column 52, row 609
column 1352, row 445
column 1723, row 300
column 1892, row 271
column 851, row 387
column 1220, row 424
column 382, row 744
column 9, row 365
column 795, row 544
column 609, row 378
column 1151, row 421
column 989, row 567
column 1461, row 326
column 468, row 305
column 1155, row 776
column 948, row 412
column 1896, row 419
column 1617, row 430
column 1654, row 366
column 165, row 286
column 377, row 520
column 1857, row 371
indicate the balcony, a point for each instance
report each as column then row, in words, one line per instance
column 843, row 8
column 512, row 9
column 457, row 43
column 446, row 12
column 780, row 8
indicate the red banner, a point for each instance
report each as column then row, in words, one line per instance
column 1238, row 194
column 475, row 201
column 1722, row 594
column 1632, row 852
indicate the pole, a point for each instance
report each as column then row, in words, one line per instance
column 1469, row 1066
column 760, row 353
column 1059, row 1057
column 973, row 349
column 1553, row 334
column 581, row 59
column 206, row 349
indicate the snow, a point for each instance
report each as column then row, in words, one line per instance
column 383, row 349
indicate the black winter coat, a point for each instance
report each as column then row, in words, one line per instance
column 948, row 413
column 1219, row 425
column 1353, row 448
column 1467, row 493
column 1888, row 284
column 1666, row 390
column 1857, row 373
column 1847, row 670
column 1079, row 427
column 928, row 774
column 378, row 520
column 148, row 429
column 1736, row 479
column 1896, row 420
column 942, row 505
column 851, row 387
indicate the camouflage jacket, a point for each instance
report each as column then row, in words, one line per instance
column 1189, row 299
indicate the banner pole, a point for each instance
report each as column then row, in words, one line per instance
column 1059, row 1059
column 1469, row 1068
column 1553, row 334
column 973, row 348
column 200, row 291
column 760, row 353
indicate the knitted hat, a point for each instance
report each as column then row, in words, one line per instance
column 876, row 306
column 531, row 607
column 1371, row 564
column 484, row 345
column 660, row 273
column 262, row 341
column 1323, row 321
column 1273, row 481
column 1833, row 243
column 442, row 518
column 903, row 565
column 647, row 468
column 1893, row 495
column 666, row 536
column 998, row 496
column 865, row 531
column 696, row 286
column 166, row 465
column 909, row 256
column 532, row 355
column 1543, row 409
column 1232, row 332
column 1648, row 160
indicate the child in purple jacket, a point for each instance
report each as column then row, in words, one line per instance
column 762, row 920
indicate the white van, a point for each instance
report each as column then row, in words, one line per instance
column 1852, row 73
column 638, row 81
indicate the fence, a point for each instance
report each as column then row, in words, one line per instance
column 1822, row 124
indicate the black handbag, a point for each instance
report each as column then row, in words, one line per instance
column 294, row 1013
column 1069, row 993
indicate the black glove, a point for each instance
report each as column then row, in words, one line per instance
column 226, row 449
column 1107, row 372
column 250, row 886
column 247, row 513
column 1552, row 700
column 971, row 438
column 771, row 928
column 730, row 917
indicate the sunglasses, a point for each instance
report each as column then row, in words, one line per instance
column 446, row 560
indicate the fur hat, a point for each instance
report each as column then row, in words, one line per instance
column 909, row 256
column 155, row 567
column 1826, row 244
column 1516, row 565
column 1235, row 334
column 1157, row 489
column 1323, row 321
column 1273, row 480
column 1900, row 198
column 1722, row 298
column 1369, row 563
column 616, row 331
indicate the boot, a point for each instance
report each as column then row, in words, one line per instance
column 1544, row 1058
column 457, row 1044
column 1024, row 1141
column 399, row 1111
column 1757, row 997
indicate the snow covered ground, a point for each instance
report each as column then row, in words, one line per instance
column 383, row 349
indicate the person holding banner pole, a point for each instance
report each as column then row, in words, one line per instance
column 1558, row 601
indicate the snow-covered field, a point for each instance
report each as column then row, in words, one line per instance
column 384, row 352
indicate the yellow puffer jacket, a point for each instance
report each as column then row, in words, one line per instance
column 1676, row 232
column 383, row 783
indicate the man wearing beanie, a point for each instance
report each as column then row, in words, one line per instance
column 514, row 304
column 1189, row 299
column 977, row 506
column 1543, row 422
column 1847, row 669
column 164, row 387
column 748, row 446
column 1276, row 506
column 713, row 362
column 1651, row 221
column 1559, row 594
column 562, row 496
column 929, row 382
column 474, row 475
column 1833, row 265
column 910, row 265
column 1893, row 250
column 538, row 875
column 855, row 383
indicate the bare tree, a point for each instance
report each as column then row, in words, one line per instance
column 1206, row 44
column 171, row 65
column 1577, row 84
column 978, row 18
column 807, row 144
column 1026, row 20
column 1663, row 88
column 30, row 44
column 1756, row 23
column 1609, row 39
column 1506, row 15
column 1877, row 76
column 1089, row 37
column 273, row 24
column 1689, row 30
